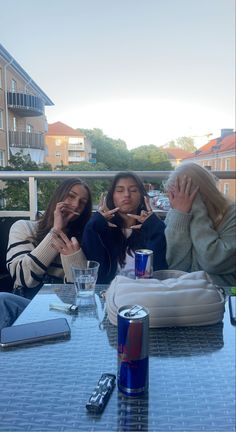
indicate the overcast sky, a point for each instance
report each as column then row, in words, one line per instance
column 145, row 71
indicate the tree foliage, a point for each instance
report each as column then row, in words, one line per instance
column 185, row 143
column 112, row 153
column 15, row 193
column 150, row 158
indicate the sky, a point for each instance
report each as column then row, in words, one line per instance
column 144, row 71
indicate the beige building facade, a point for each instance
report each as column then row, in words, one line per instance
column 219, row 155
column 22, row 112
column 67, row 146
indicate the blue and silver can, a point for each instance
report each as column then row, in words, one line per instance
column 133, row 350
column 143, row 263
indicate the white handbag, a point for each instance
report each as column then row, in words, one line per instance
column 188, row 300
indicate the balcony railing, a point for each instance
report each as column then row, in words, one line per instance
column 76, row 158
column 22, row 139
column 33, row 176
column 25, row 104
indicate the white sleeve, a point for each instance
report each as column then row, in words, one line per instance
column 26, row 262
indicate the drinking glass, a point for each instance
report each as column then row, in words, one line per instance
column 85, row 278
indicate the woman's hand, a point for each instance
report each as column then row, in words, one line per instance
column 144, row 215
column 63, row 244
column 182, row 195
column 63, row 214
column 105, row 212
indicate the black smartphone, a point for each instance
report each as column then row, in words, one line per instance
column 232, row 309
column 32, row 332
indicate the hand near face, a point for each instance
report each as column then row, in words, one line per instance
column 63, row 244
column 144, row 215
column 105, row 212
column 71, row 207
column 63, row 214
column 181, row 196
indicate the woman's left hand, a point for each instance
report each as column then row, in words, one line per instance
column 144, row 215
column 63, row 244
column 182, row 195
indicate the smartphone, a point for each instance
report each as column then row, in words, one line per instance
column 232, row 309
column 32, row 332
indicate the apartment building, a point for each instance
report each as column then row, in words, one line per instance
column 66, row 146
column 22, row 112
column 175, row 155
column 219, row 154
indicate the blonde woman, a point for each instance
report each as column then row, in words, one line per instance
column 201, row 225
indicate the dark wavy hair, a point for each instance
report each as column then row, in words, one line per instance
column 75, row 228
column 134, row 242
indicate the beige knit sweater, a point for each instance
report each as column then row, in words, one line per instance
column 28, row 263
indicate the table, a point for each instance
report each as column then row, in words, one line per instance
column 45, row 387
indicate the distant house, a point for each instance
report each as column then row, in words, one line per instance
column 219, row 154
column 175, row 155
column 22, row 112
column 66, row 146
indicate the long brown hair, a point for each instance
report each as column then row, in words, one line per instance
column 75, row 228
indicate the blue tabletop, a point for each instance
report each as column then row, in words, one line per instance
column 45, row 387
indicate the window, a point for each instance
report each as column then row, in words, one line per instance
column 1, row 158
column 226, row 188
column 1, row 120
column 13, row 85
column 58, row 142
column 0, row 78
column 14, row 123
column 29, row 128
column 58, row 154
column 227, row 164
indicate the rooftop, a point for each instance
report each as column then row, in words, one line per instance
column 61, row 129
column 221, row 144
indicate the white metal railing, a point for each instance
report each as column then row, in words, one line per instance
column 33, row 176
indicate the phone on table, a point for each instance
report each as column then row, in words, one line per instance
column 52, row 329
column 232, row 309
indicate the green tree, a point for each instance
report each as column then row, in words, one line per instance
column 171, row 144
column 113, row 153
column 186, row 143
column 15, row 193
column 149, row 158
column 96, row 186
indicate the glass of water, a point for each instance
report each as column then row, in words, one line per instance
column 85, row 278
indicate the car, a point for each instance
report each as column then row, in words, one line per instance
column 164, row 204
column 160, row 200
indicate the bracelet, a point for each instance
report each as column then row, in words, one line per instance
column 54, row 231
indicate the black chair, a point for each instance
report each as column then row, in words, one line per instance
column 6, row 283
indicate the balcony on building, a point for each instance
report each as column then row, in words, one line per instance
column 92, row 156
column 76, row 147
column 24, row 104
column 74, row 158
column 22, row 139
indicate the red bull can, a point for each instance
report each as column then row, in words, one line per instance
column 133, row 350
column 143, row 263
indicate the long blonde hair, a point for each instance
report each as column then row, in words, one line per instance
column 216, row 203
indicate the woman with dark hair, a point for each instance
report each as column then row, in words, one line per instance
column 43, row 251
column 124, row 223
